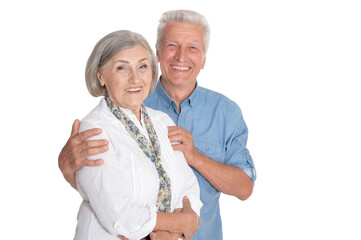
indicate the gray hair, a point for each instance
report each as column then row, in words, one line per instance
column 106, row 49
column 184, row 16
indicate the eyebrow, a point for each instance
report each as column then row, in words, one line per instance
column 125, row 61
column 191, row 43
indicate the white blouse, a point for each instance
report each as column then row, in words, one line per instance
column 120, row 195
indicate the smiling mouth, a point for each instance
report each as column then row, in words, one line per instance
column 132, row 90
column 181, row 68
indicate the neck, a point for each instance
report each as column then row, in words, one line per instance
column 135, row 110
column 137, row 113
column 178, row 93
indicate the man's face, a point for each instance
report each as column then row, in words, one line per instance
column 181, row 54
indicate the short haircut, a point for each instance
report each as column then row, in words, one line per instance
column 106, row 49
column 184, row 16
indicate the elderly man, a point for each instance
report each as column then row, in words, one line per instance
column 210, row 128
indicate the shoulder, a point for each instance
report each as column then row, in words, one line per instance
column 91, row 120
column 159, row 117
column 218, row 99
column 96, row 118
column 151, row 96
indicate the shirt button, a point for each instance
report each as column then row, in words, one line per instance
column 180, row 118
column 117, row 226
column 207, row 148
column 167, row 106
column 173, row 103
column 192, row 106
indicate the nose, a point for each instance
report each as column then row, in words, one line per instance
column 181, row 54
column 133, row 76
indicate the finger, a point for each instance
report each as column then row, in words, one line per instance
column 95, row 143
column 93, row 163
column 186, row 203
column 152, row 236
column 88, row 133
column 178, row 147
column 75, row 128
column 87, row 152
column 175, row 138
column 174, row 130
column 122, row 237
column 178, row 210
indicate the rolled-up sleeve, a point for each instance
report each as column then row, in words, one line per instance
column 108, row 191
column 237, row 153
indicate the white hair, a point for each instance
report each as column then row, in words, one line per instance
column 106, row 49
column 184, row 16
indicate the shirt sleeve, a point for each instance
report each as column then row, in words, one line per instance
column 237, row 153
column 108, row 191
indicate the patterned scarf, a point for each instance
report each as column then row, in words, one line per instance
column 151, row 150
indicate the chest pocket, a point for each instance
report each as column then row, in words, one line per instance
column 210, row 149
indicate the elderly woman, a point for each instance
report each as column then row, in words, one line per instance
column 140, row 188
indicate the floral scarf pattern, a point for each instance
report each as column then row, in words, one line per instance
column 151, row 150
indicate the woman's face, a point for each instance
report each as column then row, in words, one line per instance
column 127, row 77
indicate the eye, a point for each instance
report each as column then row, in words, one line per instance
column 171, row 45
column 193, row 49
column 143, row 66
column 120, row 68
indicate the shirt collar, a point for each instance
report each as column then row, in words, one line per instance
column 191, row 100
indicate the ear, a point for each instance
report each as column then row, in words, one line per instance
column 100, row 78
column 157, row 52
column 204, row 62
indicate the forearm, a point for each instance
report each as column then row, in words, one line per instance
column 170, row 222
column 185, row 222
column 230, row 180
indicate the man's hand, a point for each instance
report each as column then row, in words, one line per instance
column 192, row 220
column 74, row 154
column 159, row 235
column 152, row 236
column 163, row 235
column 184, row 137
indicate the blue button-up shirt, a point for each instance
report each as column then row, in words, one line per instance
column 219, row 132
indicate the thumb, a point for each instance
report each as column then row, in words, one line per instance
column 186, row 203
column 152, row 236
column 75, row 128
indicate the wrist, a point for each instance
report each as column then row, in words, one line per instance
column 170, row 222
column 67, row 172
column 197, row 160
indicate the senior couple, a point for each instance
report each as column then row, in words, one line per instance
column 153, row 167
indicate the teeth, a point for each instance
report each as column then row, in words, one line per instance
column 180, row 68
column 133, row 89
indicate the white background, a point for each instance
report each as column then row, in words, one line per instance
column 294, row 68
